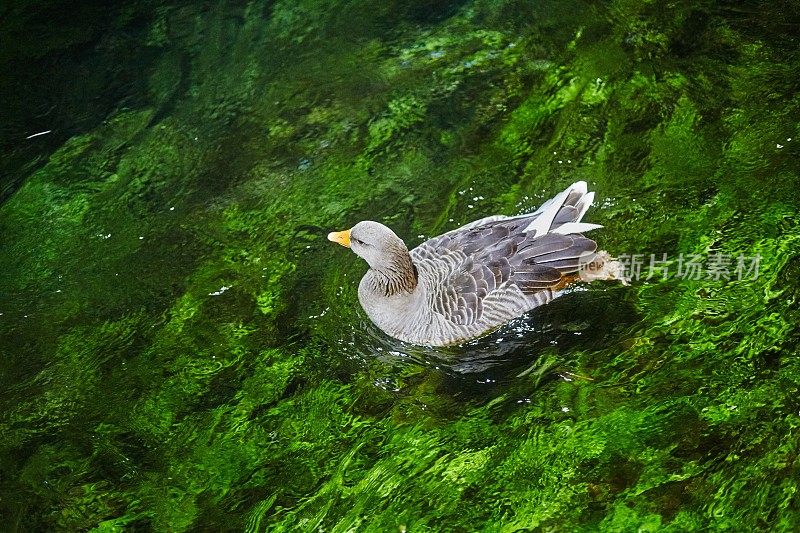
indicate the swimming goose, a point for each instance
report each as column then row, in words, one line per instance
column 468, row 281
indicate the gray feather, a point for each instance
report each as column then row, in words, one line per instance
column 489, row 271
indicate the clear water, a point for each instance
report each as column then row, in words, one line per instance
column 182, row 349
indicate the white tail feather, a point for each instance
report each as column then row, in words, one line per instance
column 584, row 205
column 550, row 209
column 575, row 227
column 579, row 186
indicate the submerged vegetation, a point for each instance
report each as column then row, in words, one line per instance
column 183, row 350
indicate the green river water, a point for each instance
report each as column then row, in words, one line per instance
column 181, row 349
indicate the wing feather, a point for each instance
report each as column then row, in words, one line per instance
column 497, row 258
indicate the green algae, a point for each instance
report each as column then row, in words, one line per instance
column 184, row 350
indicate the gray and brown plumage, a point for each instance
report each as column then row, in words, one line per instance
column 469, row 281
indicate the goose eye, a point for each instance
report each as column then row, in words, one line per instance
column 356, row 240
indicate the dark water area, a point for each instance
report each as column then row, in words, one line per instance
column 181, row 349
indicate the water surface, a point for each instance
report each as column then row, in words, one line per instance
column 183, row 350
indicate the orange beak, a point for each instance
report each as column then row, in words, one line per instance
column 342, row 237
